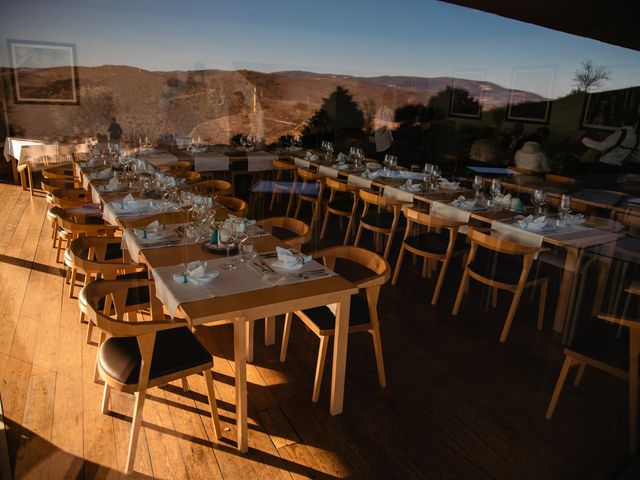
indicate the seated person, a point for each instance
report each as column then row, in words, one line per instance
column 531, row 156
column 615, row 148
column 486, row 149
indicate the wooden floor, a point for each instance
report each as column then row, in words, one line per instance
column 458, row 404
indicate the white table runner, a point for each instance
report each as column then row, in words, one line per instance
column 245, row 278
column 359, row 181
column 260, row 161
column 328, row 171
column 210, row 162
column 397, row 194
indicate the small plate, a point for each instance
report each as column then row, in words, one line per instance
column 217, row 249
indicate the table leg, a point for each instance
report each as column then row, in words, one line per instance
column 270, row 330
column 240, row 356
column 14, row 170
column 340, row 355
column 568, row 277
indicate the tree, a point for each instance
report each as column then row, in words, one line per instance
column 589, row 76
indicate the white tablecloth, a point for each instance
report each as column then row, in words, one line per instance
column 260, row 161
column 245, row 278
column 111, row 213
column 13, row 147
column 210, row 162
column 133, row 243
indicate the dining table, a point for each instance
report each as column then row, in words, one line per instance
column 253, row 290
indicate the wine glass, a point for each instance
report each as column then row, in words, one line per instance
column 539, row 200
column 564, row 208
column 226, row 238
column 496, row 189
column 478, row 185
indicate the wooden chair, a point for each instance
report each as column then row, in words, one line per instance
column 308, row 187
column 217, row 187
column 141, row 355
column 432, row 245
column 363, row 316
column 610, row 343
column 51, row 184
column 236, row 206
column 71, row 226
column 189, row 177
column 560, row 179
column 506, row 267
column 180, row 166
column 73, row 197
column 343, row 202
column 102, row 258
column 283, row 180
column 291, row 231
column 59, row 171
column 379, row 219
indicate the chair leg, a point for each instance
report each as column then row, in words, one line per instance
column 425, row 267
column 543, row 302
column 494, row 297
column 89, row 331
column 298, row 207
column 377, row 347
column 106, row 396
column 568, row 363
column 30, row 174
column 285, row 336
column 348, row 234
column 58, row 250
column 512, row 313
column 324, row 224
column 185, row 384
column 290, row 204
column 398, row 266
column 579, row 375
column 72, row 283
column 213, row 404
column 443, row 272
column 387, row 250
column 322, row 356
column 461, row 291
column 135, row 430
column 96, row 372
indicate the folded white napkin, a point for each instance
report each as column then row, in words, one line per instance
column 129, row 204
column 463, row 203
column 288, row 260
column 103, row 174
column 366, row 174
column 445, row 184
column 342, row 166
column 410, row 187
column 196, row 274
column 372, row 165
column 151, row 231
column 505, row 200
column 342, row 158
column 244, row 222
column 574, row 219
column 112, row 186
column 531, row 223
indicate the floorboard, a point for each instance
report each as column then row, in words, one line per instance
column 458, row 404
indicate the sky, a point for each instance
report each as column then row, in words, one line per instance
column 423, row 38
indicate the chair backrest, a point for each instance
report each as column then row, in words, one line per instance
column 283, row 165
column 180, row 165
column 339, row 185
column 219, row 187
column 51, row 184
column 370, row 197
column 58, row 171
column 301, row 229
column 366, row 258
column 190, row 177
column 308, row 175
column 415, row 215
column 77, row 227
column 67, row 198
column 500, row 245
column 89, row 254
column 236, row 206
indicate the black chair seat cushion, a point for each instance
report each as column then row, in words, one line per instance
column 174, row 350
column 437, row 243
column 325, row 320
column 379, row 220
column 282, row 233
column 342, row 204
column 500, row 267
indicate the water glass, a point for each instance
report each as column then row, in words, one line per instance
column 478, row 185
column 496, row 189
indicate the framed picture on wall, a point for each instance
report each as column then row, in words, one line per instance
column 603, row 110
column 467, row 91
column 43, row 72
column 529, row 98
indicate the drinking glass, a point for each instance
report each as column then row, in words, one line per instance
column 478, row 185
column 539, row 200
column 496, row 189
column 226, row 238
column 247, row 252
column 564, row 208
